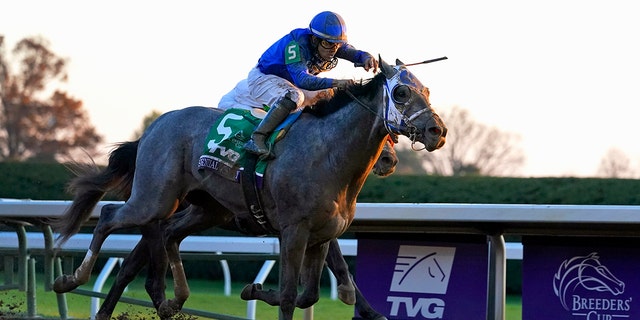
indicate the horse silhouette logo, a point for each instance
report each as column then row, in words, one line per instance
column 422, row 269
column 584, row 272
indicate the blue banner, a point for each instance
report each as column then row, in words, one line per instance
column 414, row 279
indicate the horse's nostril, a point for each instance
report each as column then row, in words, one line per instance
column 435, row 131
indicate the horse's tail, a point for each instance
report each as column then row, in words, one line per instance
column 92, row 183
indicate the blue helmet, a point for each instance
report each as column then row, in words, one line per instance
column 329, row 26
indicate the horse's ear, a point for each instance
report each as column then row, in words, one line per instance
column 399, row 63
column 385, row 68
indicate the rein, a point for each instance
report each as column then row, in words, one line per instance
column 392, row 127
column 365, row 105
column 391, row 136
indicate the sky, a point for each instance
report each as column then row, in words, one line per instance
column 563, row 75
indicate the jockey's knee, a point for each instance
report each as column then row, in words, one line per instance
column 296, row 95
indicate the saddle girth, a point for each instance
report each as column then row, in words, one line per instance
column 256, row 223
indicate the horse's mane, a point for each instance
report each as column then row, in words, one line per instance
column 365, row 89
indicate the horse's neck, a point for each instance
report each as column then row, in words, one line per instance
column 356, row 127
column 356, row 135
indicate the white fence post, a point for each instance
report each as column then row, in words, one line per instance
column 100, row 281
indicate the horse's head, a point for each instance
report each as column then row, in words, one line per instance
column 595, row 276
column 407, row 109
column 387, row 160
column 586, row 272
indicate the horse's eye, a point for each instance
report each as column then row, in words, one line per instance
column 401, row 94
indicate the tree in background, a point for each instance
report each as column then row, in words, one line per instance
column 615, row 164
column 33, row 126
column 471, row 149
column 148, row 119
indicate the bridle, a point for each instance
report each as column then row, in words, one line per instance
column 398, row 94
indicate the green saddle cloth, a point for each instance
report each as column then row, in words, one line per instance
column 223, row 151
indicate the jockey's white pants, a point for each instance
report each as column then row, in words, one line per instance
column 260, row 89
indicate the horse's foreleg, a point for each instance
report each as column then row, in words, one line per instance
column 293, row 244
column 130, row 267
column 363, row 308
column 157, row 262
column 348, row 291
column 340, row 269
column 180, row 285
column 195, row 218
column 255, row 291
column 312, row 266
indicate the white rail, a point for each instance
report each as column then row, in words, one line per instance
column 493, row 220
column 267, row 246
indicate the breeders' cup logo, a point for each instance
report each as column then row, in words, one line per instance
column 587, row 276
column 421, row 269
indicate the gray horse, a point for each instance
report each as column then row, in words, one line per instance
column 152, row 251
column 310, row 188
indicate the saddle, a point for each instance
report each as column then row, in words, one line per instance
column 224, row 155
column 223, row 151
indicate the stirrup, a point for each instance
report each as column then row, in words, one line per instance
column 263, row 154
column 252, row 147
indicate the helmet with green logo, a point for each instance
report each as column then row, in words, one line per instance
column 329, row 26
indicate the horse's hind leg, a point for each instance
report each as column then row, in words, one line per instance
column 114, row 217
column 81, row 275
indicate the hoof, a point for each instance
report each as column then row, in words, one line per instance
column 249, row 290
column 64, row 284
column 102, row 316
column 168, row 309
column 372, row 316
column 348, row 296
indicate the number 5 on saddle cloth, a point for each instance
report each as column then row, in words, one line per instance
column 223, row 151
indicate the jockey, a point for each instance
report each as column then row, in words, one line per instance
column 286, row 76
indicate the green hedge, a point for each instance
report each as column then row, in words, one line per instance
column 438, row 189
column 48, row 181
column 36, row 181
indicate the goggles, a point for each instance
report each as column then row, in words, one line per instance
column 329, row 45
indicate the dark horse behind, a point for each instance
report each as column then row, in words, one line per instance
column 310, row 188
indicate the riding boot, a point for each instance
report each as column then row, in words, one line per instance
column 274, row 117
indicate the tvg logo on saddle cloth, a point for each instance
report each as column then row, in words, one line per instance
column 228, row 135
